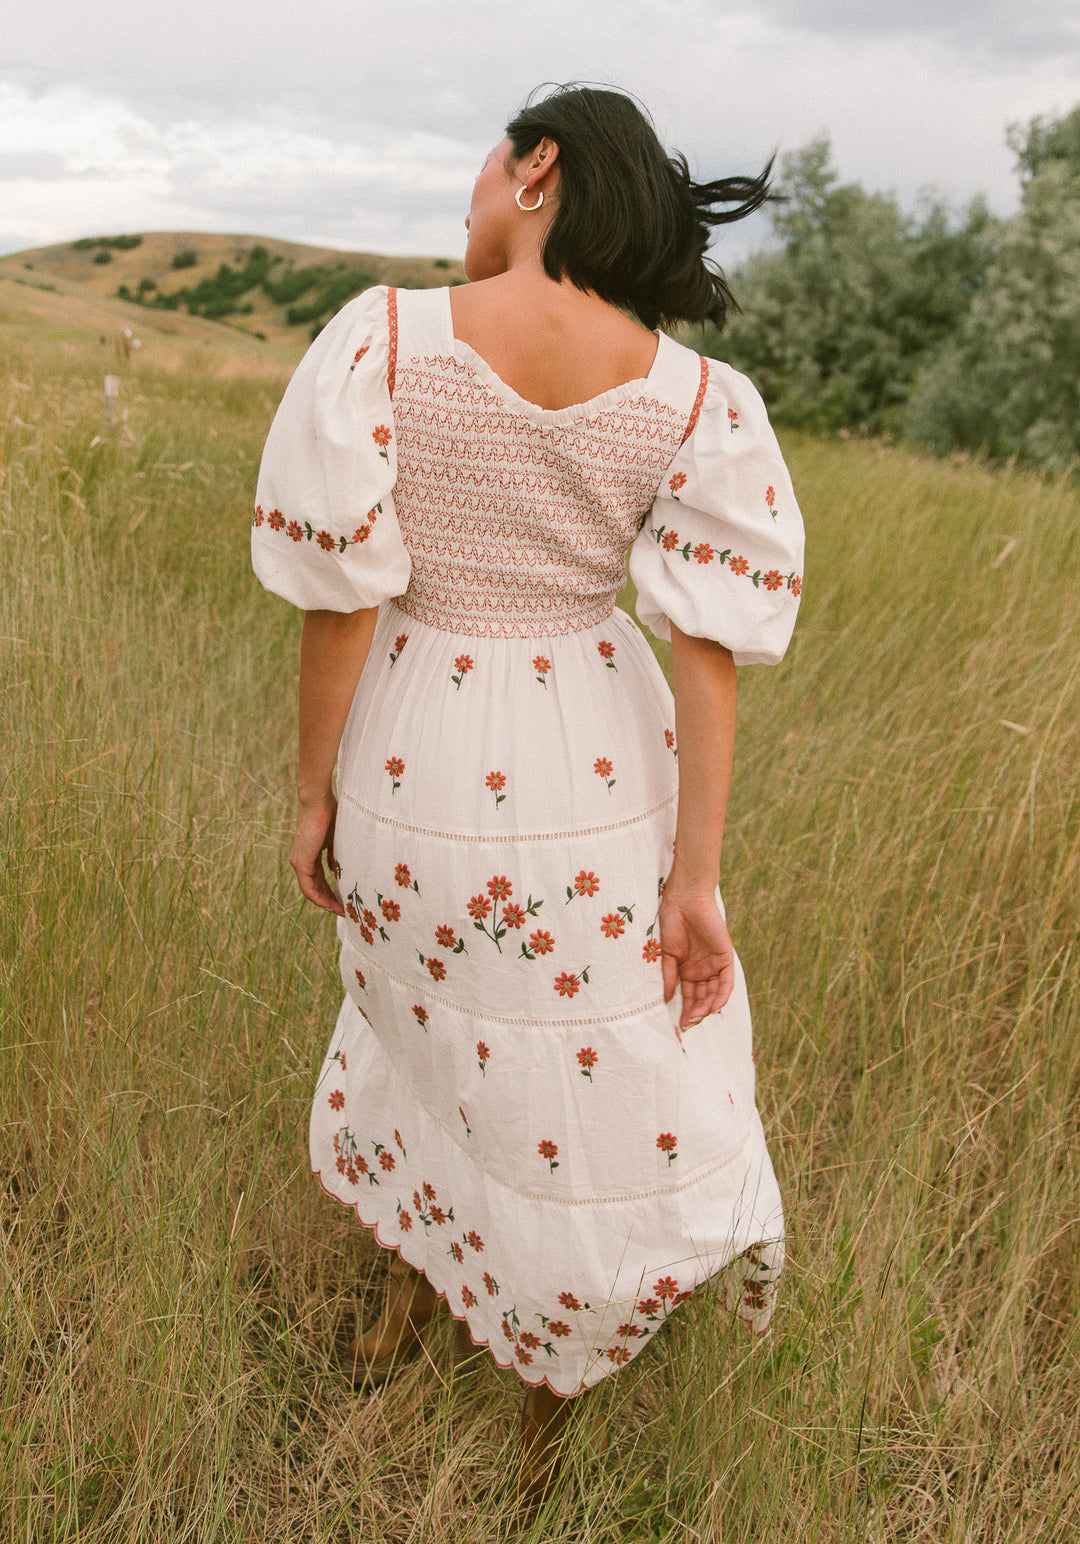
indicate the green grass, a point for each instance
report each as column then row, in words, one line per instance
column 901, row 875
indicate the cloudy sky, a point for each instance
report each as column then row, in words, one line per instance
column 362, row 123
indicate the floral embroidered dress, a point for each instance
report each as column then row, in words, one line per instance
column 506, row 1098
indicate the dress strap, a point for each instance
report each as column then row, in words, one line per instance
column 392, row 329
column 695, row 411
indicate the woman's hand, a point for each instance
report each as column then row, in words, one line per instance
column 315, row 836
column 697, row 953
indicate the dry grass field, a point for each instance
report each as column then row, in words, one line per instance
column 902, row 878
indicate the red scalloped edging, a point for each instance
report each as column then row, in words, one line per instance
column 354, row 1206
column 695, row 411
column 391, row 358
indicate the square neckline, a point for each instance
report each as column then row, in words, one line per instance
column 466, row 355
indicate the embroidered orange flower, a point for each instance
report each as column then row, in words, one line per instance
column 457, row 1252
column 361, row 979
column 351, row 912
column 463, row 663
column 667, row 1144
column 390, row 910
column 770, row 496
column 387, row 1161
column 618, row 1355
column 295, row 530
column 587, row 1059
column 649, row 1305
column 496, row 781
column 361, row 533
column 676, row 482
column 403, row 876
column 541, row 942
column 669, row 739
column 445, row 936
column 499, row 888
column 558, row 1328
column 437, row 1215
column 370, row 919
column 421, row 1014
column 381, row 436
column 395, row 766
column 336, row 1100
column 541, row 665
column 474, row 1241
column 468, row 1297
column 666, row 1287
column 602, row 766
column 429, row 1191
column 651, row 951
column 491, row 1284
column 479, row 907
column 569, row 1302
column 739, row 565
column 437, row 968
column 613, row 926
column 326, row 541
column 549, row 1150
column 586, row 883
column 567, row 985
column 527, row 1338
column 703, row 552
column 258, row 517
column 513, row 916
column 669, row 541
column 773, row 579
column 796, row 585
column 276, row 520
column 628, row 1330
column 523, row 1356
column 404, row 1221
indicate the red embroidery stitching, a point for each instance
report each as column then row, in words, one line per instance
column 391, row 358
column 695, row 411
column 474, row 474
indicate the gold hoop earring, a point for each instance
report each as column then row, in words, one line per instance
column 528, row 208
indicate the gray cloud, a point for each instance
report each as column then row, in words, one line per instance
column 992, row 29
column 362, row 122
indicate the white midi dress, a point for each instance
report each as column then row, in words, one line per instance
column 506, row 1098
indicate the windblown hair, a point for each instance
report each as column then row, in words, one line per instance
column 631, row 224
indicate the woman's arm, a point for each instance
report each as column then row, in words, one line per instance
column 333, row 649
column 697, row 951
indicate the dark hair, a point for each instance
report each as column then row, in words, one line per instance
column 631, row 224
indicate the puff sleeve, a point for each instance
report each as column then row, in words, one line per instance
column 324, row 533
column 720, row 552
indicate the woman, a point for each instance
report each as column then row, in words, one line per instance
column 540, row 1089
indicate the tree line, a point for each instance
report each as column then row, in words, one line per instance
column 960, row 331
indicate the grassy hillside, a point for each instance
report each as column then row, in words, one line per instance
column 208, row 272
column 902, row 875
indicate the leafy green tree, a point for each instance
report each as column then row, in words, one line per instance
column 1009, row 381
column 837, row 321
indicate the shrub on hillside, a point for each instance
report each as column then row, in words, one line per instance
column 186, row 258
column 118, row 243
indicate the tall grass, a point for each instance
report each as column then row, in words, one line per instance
column 902, row 878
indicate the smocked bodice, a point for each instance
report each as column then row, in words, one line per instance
column 517, row 526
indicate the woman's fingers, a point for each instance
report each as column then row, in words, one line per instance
column 697, row 957
column 314, row 836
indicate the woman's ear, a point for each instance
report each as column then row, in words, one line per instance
column 540, row 161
